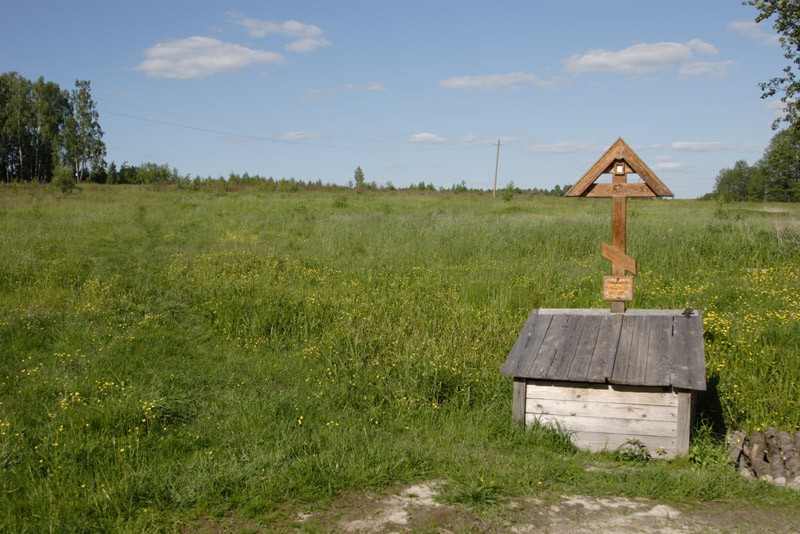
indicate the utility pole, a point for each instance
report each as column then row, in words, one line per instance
column 496, row 164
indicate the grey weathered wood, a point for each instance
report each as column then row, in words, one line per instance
column 609, row 410
column 688, row 369
column 597, row 442
column 601, row 393
column 511, row 367
column 624, row 427
column 736, row 445
column 605, row 312
column 625, row 347
column 775, row 459
column 637, row 358
column 758, row 451
column 550, row 345
column 598, row 416
column 606, row 377
column 534, row 347
column 520, row 392
column 607, row 346
column 654, row 349
column 684, row 420
column 562, row 360
column 584, row 351
column 659, row 351
column 790, row 454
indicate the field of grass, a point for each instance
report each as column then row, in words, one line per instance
column 172, row 355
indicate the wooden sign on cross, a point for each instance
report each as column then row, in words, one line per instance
column 619, row 160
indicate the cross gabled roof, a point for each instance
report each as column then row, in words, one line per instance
column 620, row 151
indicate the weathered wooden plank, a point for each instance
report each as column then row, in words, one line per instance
column 573, row 311
column 582, row 359
column 605, row 351
column 540, row 327
column 518, row 406
column 623, row 427
column 515, row 360
column 658, row 370
column 624, row 350
column 603, row 311
column 600, row 393
column 604, row 410
column 550, row 345
column 597, row 442
column 568, row 344
column 609, row 190
column 616, row 256
column 688, row 353
column 684, row 421
column 637, row 359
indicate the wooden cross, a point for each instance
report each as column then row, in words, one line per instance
column 619, row 160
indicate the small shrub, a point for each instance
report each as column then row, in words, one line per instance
column 633, row 450
column 707, row 450
column 508, row 191
column 63, row 180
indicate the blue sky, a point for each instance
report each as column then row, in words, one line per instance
column 412, row 91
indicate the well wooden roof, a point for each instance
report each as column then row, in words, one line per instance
column 637, row 347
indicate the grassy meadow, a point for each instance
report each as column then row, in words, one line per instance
column 168, row 356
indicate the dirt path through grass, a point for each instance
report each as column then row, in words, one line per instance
column 415, row 509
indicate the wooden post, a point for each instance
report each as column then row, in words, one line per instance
column 496, row 165
column 619, row 223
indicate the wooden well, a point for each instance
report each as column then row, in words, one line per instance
column 608, row 376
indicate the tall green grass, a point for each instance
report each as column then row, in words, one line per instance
column 167, row 355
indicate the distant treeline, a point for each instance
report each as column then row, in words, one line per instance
column 160, row 175
column 775, row 177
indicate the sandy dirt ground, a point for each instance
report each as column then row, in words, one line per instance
column 415, row 509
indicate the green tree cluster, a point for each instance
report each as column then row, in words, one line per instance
column 785, row 17
column 775, row 177
column 43, row 126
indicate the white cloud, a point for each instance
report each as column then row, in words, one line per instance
column 755, row 31
column 290, row 28
column 702, row 47
column 565, row 147
column 494, row 82
column 307, row 44
column 299, row 136
column 195, row 58
column 308, row 37
column 715, row 146
column 369, row 86
column 314, row 94
column 710, row 69
column 670, row 166
column 427, row 138
column 643, row 58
